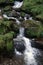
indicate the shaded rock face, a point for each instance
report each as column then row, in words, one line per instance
column 19, row 46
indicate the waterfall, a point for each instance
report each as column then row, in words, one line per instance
column 28, row 53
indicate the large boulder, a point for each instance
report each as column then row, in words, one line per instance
column 33, row 28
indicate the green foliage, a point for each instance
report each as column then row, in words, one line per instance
column 4, row 26
column 7, row 23
column 40, row 17
column 33, row 6
column 2, row 42
column 9, row 36
column 6, row 8
column 34, row 32
column 5, row 1
column 22, row 14
column 3, row 29
column 6, row 41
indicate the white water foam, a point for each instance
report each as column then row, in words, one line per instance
column 17, row 4
column 17, row 52
column 17, row 21
column 28, row 54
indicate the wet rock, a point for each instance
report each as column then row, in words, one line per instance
column 19, row 45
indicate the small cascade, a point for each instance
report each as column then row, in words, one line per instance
column 17, row 21
column 17, row 4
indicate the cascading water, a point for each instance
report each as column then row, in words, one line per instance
column 21, row 32
column 17, row 21
column 17, row 4
column 29, row 52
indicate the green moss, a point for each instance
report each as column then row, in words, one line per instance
column 31, row 23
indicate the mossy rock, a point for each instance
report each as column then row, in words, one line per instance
column 34, row 32
column 31, row 23
column 32, row 28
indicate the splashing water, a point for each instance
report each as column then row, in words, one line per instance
column 28, row 54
